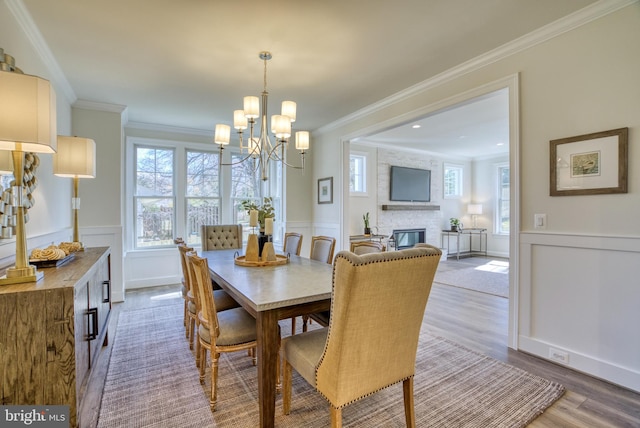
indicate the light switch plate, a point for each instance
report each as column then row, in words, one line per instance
column 539, row 221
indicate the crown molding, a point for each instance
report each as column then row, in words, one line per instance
column 170, row 129
column 24, row 20
column 547, row 32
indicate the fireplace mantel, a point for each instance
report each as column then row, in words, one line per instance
column 410, row 207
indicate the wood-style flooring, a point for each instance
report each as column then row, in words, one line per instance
column 478, row 321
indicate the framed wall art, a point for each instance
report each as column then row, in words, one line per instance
column 591, row 164
column 325, row 190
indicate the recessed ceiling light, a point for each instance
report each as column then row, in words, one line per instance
column 500, row 144
column 416, row 126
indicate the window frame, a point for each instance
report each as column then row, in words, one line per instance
column 459, row 191
column 365, row 160
column 498, row 229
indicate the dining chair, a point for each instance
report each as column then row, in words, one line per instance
column 223, row 300
column 377, row 307
column 220, row 331
column 322, row 248
column 366, row 247
column 292, row 243
column 220, row 236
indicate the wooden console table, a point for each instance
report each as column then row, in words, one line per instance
column 52, row 331
column 480, row 233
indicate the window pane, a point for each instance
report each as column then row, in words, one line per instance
column 200, row 211
column 357, row 173
column 154, row 222
column 154, row 172
column 452, row 181
column 202, row 174
column 245, row 181
column 503, row 213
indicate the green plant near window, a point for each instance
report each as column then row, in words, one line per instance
column 365, row 217
column 266, row 210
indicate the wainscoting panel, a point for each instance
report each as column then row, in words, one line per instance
column 579, row 299
column 108, row 236
column 149, row 268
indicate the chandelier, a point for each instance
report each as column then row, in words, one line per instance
column 260, row 149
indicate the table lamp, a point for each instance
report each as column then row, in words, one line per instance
column 474, row 210
column 76, row 158
column 27, row 124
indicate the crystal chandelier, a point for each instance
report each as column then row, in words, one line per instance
column 260, row 149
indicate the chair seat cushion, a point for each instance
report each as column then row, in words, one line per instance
column 224, row 301
column 303, row 352
column 236, row 327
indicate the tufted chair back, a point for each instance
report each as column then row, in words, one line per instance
column 221, row 236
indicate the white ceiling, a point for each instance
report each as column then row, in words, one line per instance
column 188, row 63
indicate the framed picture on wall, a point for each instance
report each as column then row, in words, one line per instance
column 591, row 164
column 325, row 190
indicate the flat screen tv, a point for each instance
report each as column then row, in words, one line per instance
column 410, row 184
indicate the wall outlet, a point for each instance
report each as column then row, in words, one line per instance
column 539, row 221
column 559, row 356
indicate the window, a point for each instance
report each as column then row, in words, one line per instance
column 176, row 187
column 154, row 197
column 202, row 194
column 357, row 173
column 452, row 181
column 503, row 200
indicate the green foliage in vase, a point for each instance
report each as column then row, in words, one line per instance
column 266, row 210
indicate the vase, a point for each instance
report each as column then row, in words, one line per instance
column 262, row 239
column 367, row 231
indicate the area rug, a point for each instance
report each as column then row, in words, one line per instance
column 484, row 275
column 152, row 382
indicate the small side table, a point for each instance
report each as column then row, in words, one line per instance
column 480, row 233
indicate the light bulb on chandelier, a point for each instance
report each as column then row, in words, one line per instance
column 260, row 149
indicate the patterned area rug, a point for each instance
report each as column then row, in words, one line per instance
column 479, row 274
column 152, row 382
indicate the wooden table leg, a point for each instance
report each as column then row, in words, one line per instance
column 267, row 360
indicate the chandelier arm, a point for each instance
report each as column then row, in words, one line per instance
column 234, row 163
column 273, row 155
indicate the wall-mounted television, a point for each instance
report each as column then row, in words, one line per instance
column 410, row 184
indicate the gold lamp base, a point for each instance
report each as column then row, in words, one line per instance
column 21, row 275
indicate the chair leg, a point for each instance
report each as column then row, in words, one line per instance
column 198, row 351
column 293, row 326
column 409, row 409
column 278, row 372
column 336, row 417
column 286, row 388
column 215, row 357
column 185, row 315
column 305, row 320
column 192, row 329
column 203, row 362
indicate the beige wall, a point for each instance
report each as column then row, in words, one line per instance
column 582, row 81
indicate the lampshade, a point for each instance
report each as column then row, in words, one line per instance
column 474, row 208
column 223, row 134
column 27, row 113
column 302, row 140
column 239, row 120
column 289, row 109
column 76, row 157
column 282, row 125
column 251, row 107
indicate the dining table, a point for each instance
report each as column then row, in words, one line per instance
column 271, row 293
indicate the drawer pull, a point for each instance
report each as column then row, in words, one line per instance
column 108, row 288
column 92, row 323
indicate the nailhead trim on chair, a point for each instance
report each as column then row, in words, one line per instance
column 356, row 260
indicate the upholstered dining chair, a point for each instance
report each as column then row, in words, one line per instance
column 377, row 306
column 221, row 236
column 322, row 248
column 366, row 247
column 292, row 243
column 220, row 331
column 223, row 300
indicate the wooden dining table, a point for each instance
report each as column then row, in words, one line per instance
column 271, row 293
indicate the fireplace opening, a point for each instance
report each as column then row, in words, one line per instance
column 407, row 238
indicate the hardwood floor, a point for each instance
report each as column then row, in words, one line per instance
column 479, row 321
